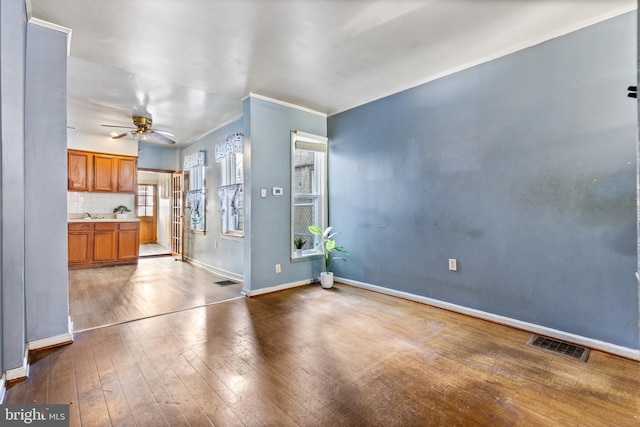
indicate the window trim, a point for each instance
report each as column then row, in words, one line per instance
column 309, row 142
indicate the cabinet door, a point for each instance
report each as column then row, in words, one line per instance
column 127, row 173
column 128, row 241
column 104, row 245
column 79, row 171
column 104, row 173
column 80, row 245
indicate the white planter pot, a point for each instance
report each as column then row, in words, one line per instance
column 122, row 216
column 326, row 280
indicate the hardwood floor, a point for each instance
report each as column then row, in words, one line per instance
column 314, row 357
column 157, row 285
column 153, row 249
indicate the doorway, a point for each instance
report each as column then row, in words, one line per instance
column 153, row 208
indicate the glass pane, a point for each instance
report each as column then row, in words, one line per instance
column 150, row 189
column 239, row 168
column 304, row 171
column 140, row 211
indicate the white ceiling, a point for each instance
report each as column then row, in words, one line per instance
column 189, row 63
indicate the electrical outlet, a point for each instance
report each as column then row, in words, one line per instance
column 278, row 270
column 453, row 264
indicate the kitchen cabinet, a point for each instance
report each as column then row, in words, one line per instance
column 129, row 240
column 80, row 243
column 127, row 171
column 79, row 164
column 102, row 243
column 104, row 173
column 99, row 172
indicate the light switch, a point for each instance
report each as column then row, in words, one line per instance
column 263, row 192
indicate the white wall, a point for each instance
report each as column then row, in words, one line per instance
column 102, row 144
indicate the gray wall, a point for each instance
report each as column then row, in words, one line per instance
column 268, row 164
column 45, row 172
column 523, row 169
column 227, row 257
column 12, row 85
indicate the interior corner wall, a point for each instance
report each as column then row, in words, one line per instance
column 268, row 164
column 522, row 168
column 224, row 256
column 12, row 85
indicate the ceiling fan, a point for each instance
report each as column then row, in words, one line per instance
column 143, row 129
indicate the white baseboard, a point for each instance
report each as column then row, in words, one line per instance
column 215, row 270
column 61, row 339
column 626, row 352
column 19, row 372
column 261, row 291
column 2, row 389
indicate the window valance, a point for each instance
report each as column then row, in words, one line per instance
column 234, row 143
column 194, row 160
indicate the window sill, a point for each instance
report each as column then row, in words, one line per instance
column 307, row 253
column 232, row 236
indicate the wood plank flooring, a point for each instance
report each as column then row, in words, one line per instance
column 314, row 357
column 157, row 285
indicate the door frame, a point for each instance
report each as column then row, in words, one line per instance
column 164, row 171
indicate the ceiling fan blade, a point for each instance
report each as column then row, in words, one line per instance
column 161, row 137
column 133, row 132
column 163, row 132
column 116, row 126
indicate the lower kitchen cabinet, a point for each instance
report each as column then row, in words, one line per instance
column 105, row 238
column 80, row 243
column 99, row 244
column 129, row 241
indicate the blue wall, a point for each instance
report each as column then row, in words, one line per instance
column 154, row 157
column 46, row 289
column 13, row 31
column 227, row 258
column 268, row 164
column 523, row 169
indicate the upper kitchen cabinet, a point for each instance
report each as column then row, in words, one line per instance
column 99, row 172
column 104, row 177
column 127, row 168
column 80, row 165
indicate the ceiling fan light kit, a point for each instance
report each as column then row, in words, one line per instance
column 143, row 130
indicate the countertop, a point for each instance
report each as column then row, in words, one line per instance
column 103, row 220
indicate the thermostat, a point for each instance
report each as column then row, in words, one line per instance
column 276, row 191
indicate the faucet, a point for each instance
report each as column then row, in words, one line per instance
column 88, row 214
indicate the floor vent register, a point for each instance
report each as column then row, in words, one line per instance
column 560, row 347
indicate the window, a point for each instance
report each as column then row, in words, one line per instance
column 229, row 153
column 309, row 190
column 146, row 200
column 195, row 170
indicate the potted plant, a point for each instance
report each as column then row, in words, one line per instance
column 328, row 248
column 298, row 242
column 121, row 211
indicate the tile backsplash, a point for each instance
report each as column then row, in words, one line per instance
column 97, row 203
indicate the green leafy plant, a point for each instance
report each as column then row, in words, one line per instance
column 298, row 242
column 328, row 246
column 121, row 209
